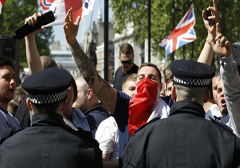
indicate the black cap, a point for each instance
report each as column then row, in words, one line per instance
column 47, row 86
column 191, row 73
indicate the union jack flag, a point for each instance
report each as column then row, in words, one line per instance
column 181, row 35
column 61, row 7
column 1, row 4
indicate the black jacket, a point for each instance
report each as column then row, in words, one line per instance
column 120, row 76
column 185, row 139
column 50, row 143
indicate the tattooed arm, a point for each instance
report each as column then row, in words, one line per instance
column 100, row 87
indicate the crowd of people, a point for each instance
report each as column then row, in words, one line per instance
column 191, row 119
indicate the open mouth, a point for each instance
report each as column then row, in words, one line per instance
column 223, row 102
column 11, row 90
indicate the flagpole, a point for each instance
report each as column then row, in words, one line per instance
column 149, row 30
column 173, row 16
column 173, row 23
column 106, row 40
column 183, row 16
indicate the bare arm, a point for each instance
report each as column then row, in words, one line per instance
column 100, row 87
column 105, row 157
column 207, row 52
column 33, row 58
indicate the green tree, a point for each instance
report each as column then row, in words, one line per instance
column 14, row 13
column 136, row 11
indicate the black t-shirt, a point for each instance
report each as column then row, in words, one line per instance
column 120, row 76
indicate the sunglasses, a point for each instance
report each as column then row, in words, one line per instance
column 127, row 62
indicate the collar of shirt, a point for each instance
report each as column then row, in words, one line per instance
column 187, row 106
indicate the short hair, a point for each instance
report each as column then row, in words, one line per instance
column 46, row 108
column 19, row 94
column 6, row 61
column 191, row 92
column 84, row 85
column 48, row 62
column 131, row 77
column 126, row 49
column 73, row 85
column 151, row 65
column 169, row 77
column 12, row 107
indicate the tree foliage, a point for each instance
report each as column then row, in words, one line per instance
column 136, row 11
column 14, row 13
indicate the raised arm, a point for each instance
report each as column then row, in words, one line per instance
column 230, row 80
column 207, row 52
column 33, row 58
column 100, row 87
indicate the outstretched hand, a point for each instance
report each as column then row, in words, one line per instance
column 71, row 29
column 31, row 20
column 222, row 47
column 211, row 29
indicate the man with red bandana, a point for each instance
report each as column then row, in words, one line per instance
column 7, row 89
column 135, row 111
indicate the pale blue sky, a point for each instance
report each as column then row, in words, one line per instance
column 84, row 25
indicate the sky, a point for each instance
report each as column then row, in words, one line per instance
column 84, row 24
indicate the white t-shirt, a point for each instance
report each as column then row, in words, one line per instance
column 213, row 111
column 107, row 136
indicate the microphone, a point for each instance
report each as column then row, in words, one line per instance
column 26, row 29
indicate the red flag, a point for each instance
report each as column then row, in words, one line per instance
column 60, row 8
column 1, row 4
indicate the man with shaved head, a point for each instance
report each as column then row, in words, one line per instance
column 88, row 103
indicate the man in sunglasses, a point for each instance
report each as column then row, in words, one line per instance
column 126, row 56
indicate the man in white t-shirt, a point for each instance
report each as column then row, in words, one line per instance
column 214, row 110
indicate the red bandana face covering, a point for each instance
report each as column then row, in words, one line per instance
column 140, row 105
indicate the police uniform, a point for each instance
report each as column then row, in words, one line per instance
column 49, row 142
column 185, row 139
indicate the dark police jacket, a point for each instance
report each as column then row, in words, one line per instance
column 185, row 139
column 50, row 143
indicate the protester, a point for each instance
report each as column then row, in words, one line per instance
column 88, row 103
column 36, row 63
column 185, row 138
column 12, row 107
column 134, row 112
column 19, row 95
column 108, row 138
column 210, row 107
column 7, row 89
column 107, row 132
column 129, row 84
column 126, row 57
column 168, row 84
column 49, row 142
column 222, row 47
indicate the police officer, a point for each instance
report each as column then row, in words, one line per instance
column 49, row 142
column 185, row 138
